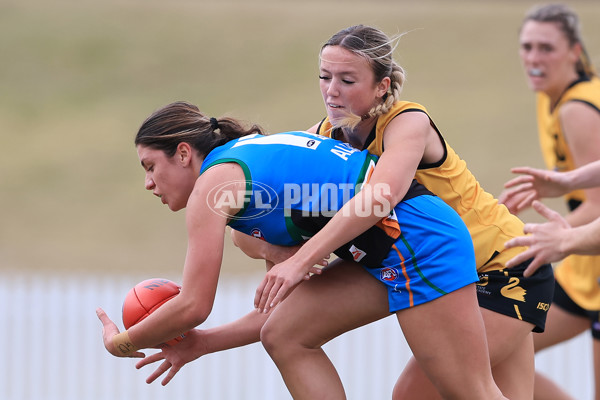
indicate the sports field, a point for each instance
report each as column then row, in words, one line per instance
column 78, row 77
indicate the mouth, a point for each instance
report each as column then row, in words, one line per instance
column 160, row 196
column 535, row 72
column 335, row 106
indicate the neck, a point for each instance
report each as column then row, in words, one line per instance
column 558, row 91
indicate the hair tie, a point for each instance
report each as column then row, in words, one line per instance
column 214, row 124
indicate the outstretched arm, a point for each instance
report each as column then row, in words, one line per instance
column 554, row 240
column 206, row 231
column 197, row 343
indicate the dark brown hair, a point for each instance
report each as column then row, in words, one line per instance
column 183, row 122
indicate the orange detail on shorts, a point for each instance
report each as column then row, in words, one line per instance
column 390, row 227
column 403, row 265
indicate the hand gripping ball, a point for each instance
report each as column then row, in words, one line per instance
column 145, row 297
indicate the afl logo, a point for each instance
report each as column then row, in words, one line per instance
column 254, row 198
column 257, row 234
column 389, row 274
column 310, row 143
column 483, row 280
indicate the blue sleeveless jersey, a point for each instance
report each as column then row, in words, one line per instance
column 295, row 182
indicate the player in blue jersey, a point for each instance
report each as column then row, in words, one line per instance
column 418, row 247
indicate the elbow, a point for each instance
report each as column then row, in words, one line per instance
column 234, row 238
column 383, row 200
column 193, row 314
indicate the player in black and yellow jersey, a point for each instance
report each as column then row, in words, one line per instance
column 568, row 115
column 512, row 305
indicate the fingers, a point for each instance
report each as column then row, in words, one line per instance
column 277, row 294
column 270, row 292
column 174, row 369
column 533, row 266
column 264, row 286
column 519, row 180
column 548, row 213
column 162, row 368
column 317, row 270
column 150, row 359
column 519, row 241
column 103, row 317
column 526, row 201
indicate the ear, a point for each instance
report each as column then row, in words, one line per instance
column 576, row 51
column 184, row 154
column 383, row 86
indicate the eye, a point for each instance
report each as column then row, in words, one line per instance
column 546, row 48
column 324, row 78
column 348, row 82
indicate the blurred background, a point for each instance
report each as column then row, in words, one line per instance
column 78, row 77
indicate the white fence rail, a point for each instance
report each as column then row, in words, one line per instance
column 52, row 349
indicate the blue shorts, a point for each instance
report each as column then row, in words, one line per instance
column 432, row 257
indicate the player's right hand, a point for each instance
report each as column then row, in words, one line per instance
column 193, row 346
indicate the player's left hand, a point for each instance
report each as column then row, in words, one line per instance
column 109, row 330
column 279, row 281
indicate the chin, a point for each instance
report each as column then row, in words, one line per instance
column 174, row 207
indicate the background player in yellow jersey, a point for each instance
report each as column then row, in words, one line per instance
column 568, row 114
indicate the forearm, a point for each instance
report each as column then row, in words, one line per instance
column 241, row 332
column 584, row 214
column 583, row 239
column 586, row 176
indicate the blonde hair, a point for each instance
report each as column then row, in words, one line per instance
column 568, row 22
column 377, row 48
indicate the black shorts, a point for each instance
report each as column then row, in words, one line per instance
column 563, row 301
column 508, row 292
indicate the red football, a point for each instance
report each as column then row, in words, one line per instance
column 145, row 297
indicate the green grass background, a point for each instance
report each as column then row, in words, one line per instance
column 78, row 77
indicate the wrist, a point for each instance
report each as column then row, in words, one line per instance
column 122, row 344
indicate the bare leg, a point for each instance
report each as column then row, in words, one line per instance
column 511, row 357
column 343, row 298
column 560, row 326
column 447, row 337
column 347, row 297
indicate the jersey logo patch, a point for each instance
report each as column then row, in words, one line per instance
column 389, row 274
column 357, row 254
column 257, row 233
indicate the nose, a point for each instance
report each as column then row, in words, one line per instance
column 149, row 183
column 531, row 55
column 332, row 88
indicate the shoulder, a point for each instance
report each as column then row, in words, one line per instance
column 579, row 109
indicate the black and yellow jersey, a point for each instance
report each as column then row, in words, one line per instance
column 578, row 275
column 490, row 224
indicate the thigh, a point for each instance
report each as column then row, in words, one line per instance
column 447, row 338
column 561, row 325
column 343, row 298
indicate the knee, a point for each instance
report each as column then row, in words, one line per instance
column 273, row 338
